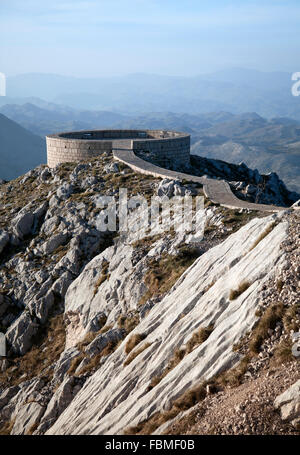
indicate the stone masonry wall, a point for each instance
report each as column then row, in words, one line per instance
column 60, row 150
column 159, row 147
column 164, row 152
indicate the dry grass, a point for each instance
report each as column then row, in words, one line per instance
column 106, row 328
column 283, row 352
column 183, row 403
column 164, row 273
column 291, row 315
column 210, row 285
column 271, row 316
column 134, row 354
column 47, row 347
column 263, row 235
column 133, row 341
column 279, row 285
column 90, row 336
column 103, row 277
column 7, row 427
column 94, row 362
column 196, row 339
column 33, row 428
column 235, row 293
column 74, row 364
column 128, row 322
column 234, row 376
column 146, row 241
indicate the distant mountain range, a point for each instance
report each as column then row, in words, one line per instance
column 268, row 145
column 20, row 150
column 235, row 90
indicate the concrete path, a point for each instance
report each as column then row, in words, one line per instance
column 218, row 191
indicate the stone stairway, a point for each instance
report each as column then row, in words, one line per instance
column 218, row 191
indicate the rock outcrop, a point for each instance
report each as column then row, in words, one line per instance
column 105, row 330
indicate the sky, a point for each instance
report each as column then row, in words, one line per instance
column 94, row 38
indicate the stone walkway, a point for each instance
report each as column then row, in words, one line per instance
column 218, row 191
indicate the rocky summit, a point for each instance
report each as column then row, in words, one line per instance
column 169, row 332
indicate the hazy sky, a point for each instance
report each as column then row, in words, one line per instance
column 175, row 37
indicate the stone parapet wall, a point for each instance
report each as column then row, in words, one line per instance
column 157, row 146
column 164, row 152
column 67, row 150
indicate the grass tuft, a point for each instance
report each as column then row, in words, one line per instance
column 235, row 293
column 133, row 341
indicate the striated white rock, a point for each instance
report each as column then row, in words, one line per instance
column 115, row 396
column 58, row 403
column 28, row 416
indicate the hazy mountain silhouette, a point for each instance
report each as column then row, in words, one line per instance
column 20, row 150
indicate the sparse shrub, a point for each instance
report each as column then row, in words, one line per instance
column 164, row 273
column 128, row 322
column 271, row 316
column 74, row 364
column 279, row 285
column 198, row 338
column 186, row 401
column 235, row 293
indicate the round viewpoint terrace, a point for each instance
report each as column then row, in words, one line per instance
column 157, row 146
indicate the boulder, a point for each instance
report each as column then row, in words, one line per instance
column 20, row 333
column 289, row 404
column 166, row 188
column 61, row 285
column 111, row 168
column 65, row 191
column 22, row 224
column 54, row 242
column 40, row 307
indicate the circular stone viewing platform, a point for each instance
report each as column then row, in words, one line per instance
column 157, row 146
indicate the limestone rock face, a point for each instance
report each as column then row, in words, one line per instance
column 4, row 239
column 76, row 295
column 58, row 403
column 54, row 242
column 20, row 333
column 289, row 404
column 64, row 191
column 22, row 224
column 115, row 397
